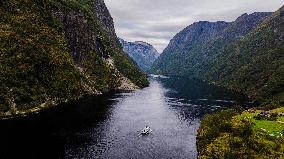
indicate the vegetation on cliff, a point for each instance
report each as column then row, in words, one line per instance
column 253, row 65
column 43, row 62
column 245, row 55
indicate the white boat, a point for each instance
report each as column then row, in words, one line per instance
column 146, row 130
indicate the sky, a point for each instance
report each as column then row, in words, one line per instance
column 157, row 21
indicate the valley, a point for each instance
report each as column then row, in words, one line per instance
column 73, row 85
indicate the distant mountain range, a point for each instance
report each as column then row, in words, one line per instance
column 141, row 52
column 245, row 55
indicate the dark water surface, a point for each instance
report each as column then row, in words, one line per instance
column 108, row 126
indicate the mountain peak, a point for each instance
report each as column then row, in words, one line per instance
column 253, row 16
column 204, row 33
column 282, row 12
column 143, row 43
column 143, row 53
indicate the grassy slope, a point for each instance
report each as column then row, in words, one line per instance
column 244, row 137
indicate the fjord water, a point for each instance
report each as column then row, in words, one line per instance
column 109, row 126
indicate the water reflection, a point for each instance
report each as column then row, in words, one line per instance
column 196, row 98
column 109, row 126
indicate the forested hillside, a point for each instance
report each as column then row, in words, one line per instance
column 255, row 64
column 245, row 55
column 52, row 51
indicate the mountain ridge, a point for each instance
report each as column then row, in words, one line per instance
column 53, row 51
column 207, row 60
column 143, row 53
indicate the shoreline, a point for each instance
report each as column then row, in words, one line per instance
column 53, row 105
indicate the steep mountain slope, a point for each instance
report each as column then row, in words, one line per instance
column 55, row 50
column 255, row 64
column 201, row 40
column 174, row 59
column 142, row 53
column 247, row 55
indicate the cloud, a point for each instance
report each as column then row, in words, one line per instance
column 157, row 21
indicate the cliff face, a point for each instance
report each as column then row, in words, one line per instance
column 246, row 55
column 142, row 53
column 197, row 42
column 105, row 18
column 54, row 51
column 254, row 64
column 199, row 32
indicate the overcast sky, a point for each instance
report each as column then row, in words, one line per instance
column 157, row 21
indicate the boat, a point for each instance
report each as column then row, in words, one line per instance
column 146, row 130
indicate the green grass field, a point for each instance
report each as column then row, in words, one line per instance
column 271, row 128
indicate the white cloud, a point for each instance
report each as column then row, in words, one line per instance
column 157, row 21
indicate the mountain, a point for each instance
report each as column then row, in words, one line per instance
column 142, row 53
column 53, row 51
column 245, row 55
column 199, row 41
column 174, row 59
column 254, row 65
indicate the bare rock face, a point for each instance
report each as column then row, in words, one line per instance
column 59, row 51
column 245, row 55
column 201, row 40
column 79, row 33
column 82, row 31
column 201, row 32
column 92, row 31
column 105, row 17
column 243, row 25
column 142, row 53
column 282, row 14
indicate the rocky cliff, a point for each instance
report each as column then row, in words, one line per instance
column 244, row 55
column 194, row 44
column 53, row 51
column 142, row 53
column 254, row 64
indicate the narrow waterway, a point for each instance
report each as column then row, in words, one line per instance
column 109, row 127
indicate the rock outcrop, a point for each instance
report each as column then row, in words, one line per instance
column 142, row 53
column 55, row 51
column 245, row 55
column 197, row 42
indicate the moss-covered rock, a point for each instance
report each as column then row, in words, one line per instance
column 245, row 55
column 53, row 51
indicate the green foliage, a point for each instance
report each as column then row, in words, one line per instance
column 273, row 117
column 252, row 64
column 247, row 137
column 35, row 61
column 212, row 126
column 122, row 62
column 129, row 68
column 100, row 72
